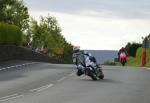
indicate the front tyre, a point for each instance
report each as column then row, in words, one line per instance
column 91, row 74
column 101, row 76
column 94, row 77
column 123, row 63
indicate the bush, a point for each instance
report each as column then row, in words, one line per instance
column 109, row 63
column 137, row 60
column 10, row 34
column 131, row 48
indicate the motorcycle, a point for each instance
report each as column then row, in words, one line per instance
column 123, row 58
column 84, row 66
column 94, row 74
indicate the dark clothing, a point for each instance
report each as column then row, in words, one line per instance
column 78, row 58
column 120, row 51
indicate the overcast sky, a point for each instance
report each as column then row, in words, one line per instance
column 97, row 24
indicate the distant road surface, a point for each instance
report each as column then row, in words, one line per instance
column 53, row 83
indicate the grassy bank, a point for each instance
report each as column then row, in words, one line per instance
column 137, row 60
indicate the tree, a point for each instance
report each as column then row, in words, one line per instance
column 148, row 37
column 128, row 47
column 131, row 48
column 47, row 32
column 14, row 12
column 51, row 32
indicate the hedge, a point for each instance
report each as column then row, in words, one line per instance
column 10, row 34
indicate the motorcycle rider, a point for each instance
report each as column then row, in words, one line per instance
column 78, row 60
column 122, row 50
column 83, row 59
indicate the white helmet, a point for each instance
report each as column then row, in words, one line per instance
column 76, row 48
column 90, row 54
column 87, row 53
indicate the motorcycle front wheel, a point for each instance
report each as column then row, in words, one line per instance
column 91, row 74
column 101, row 76
column 123, row 63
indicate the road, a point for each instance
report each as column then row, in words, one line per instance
column 52, row 83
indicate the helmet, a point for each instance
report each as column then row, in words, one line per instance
column 76, row 49
column 87, row 53
column 90, row 54
column 123, row 49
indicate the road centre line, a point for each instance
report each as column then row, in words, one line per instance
column 8, row 96
column 41, row 88
column 14, row 96
column 71, row 74
column 18, row 65
column 61, row 79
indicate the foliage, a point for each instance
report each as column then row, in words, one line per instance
column 148, row 57
column 67, row 56
column 26, row 39
column 109, row 63
column 136, row 48
column 131, row 48
column 47, row 33
column 146, row 41
column 148, row 37
column 136, row 61
column 14, row 12
column 10, row 34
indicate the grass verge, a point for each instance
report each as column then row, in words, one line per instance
column 137, row 60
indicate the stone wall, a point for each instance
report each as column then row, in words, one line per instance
column 11, row 52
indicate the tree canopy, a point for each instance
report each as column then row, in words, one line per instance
column 43, row 33
column 14, row 12
column 131, row 48
column 47, row 33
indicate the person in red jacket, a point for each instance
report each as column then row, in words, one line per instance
column 120, row 51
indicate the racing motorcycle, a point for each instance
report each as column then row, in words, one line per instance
column 95, row 74
column 123, row 58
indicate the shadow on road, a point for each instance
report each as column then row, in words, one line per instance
column 11, row 77
column 102, row 81
column 109, row 81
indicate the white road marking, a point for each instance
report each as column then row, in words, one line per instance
column 3, row 68
column 12, row 66
column 18, row 65
column 41, row 88
column 8, row 96
column 8, row 67
column 11, row 97
column 71, row 74
column 48, row 86
column 61, row 79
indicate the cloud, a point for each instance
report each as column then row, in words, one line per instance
column 97, row 24
column 130, row 9
column 95, row 32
